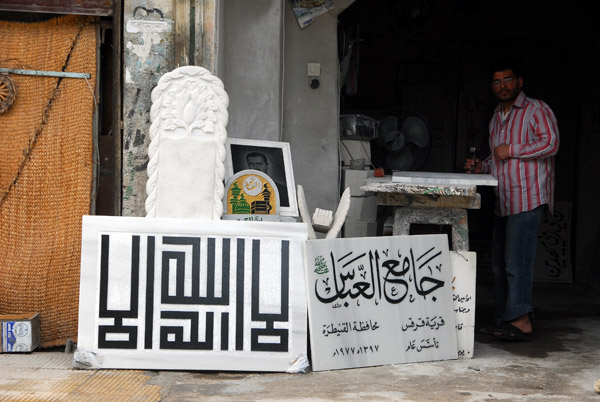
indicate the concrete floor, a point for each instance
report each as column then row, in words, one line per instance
column 561, row 364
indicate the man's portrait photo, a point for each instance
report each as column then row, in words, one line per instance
column 272, row 158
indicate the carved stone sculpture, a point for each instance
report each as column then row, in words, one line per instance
column 325, row 221
column 187, row 151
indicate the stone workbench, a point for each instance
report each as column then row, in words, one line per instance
column 431, row 198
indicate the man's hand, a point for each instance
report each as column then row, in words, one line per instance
column 502, row 152
column 472, row 166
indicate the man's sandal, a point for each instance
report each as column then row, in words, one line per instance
column 509, row 332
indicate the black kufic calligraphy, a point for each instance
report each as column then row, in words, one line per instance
column 377, row 276
column 183, row 308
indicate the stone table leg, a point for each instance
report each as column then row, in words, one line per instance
column 455, row 217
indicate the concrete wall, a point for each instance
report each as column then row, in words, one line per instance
column 148, row 53
column 263, row 61
column 310, row 122
column 250, row 64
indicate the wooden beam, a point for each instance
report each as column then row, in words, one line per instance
column 87, row 7
column 183, row 22
column 117, row 107
column 206, row 34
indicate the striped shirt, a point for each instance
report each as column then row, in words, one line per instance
column 526, row 179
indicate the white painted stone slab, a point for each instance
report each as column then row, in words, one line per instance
column 380, row 300
column 187, row 151
column 355, row 179
column 463, row 294
column 186, row 294
column 449, row 179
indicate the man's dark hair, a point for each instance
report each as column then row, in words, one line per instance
column 256, row 155
column 504, row 64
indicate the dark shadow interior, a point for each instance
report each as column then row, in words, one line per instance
column 429, row 58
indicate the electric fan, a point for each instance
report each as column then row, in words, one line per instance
column 407, row 147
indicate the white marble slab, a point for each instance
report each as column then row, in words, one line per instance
column 463, row 295
column 437, row 178
column 188, row 294
column 380, row 300
column 186, row 165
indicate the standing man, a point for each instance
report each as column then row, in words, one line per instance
column 523, row 140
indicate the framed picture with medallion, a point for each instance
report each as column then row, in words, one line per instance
column 270, row 157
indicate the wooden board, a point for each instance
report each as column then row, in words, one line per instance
column 88, row 7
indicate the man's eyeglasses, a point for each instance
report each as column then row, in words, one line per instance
column 506, row 80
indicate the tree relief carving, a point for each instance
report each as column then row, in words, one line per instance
column 186, row 155
column 189, row 111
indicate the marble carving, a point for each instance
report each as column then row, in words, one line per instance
column 187, row 150
column 325, row 221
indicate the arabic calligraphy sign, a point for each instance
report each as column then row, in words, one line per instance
column 380, row 300
column 553, row 258
column 463, row 293
column 192, row 294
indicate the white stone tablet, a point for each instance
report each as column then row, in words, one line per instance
column 187, row 151
column 444, row 178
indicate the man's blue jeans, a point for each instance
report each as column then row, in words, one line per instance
column 513, row 258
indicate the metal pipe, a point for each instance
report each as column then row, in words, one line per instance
column 20, row 71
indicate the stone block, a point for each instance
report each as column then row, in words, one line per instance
column 464, row 274
column 355, row 179
column 455, row 217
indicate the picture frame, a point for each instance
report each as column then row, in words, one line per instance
column 271, row 157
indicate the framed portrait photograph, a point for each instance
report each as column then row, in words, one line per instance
column 270, row 157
